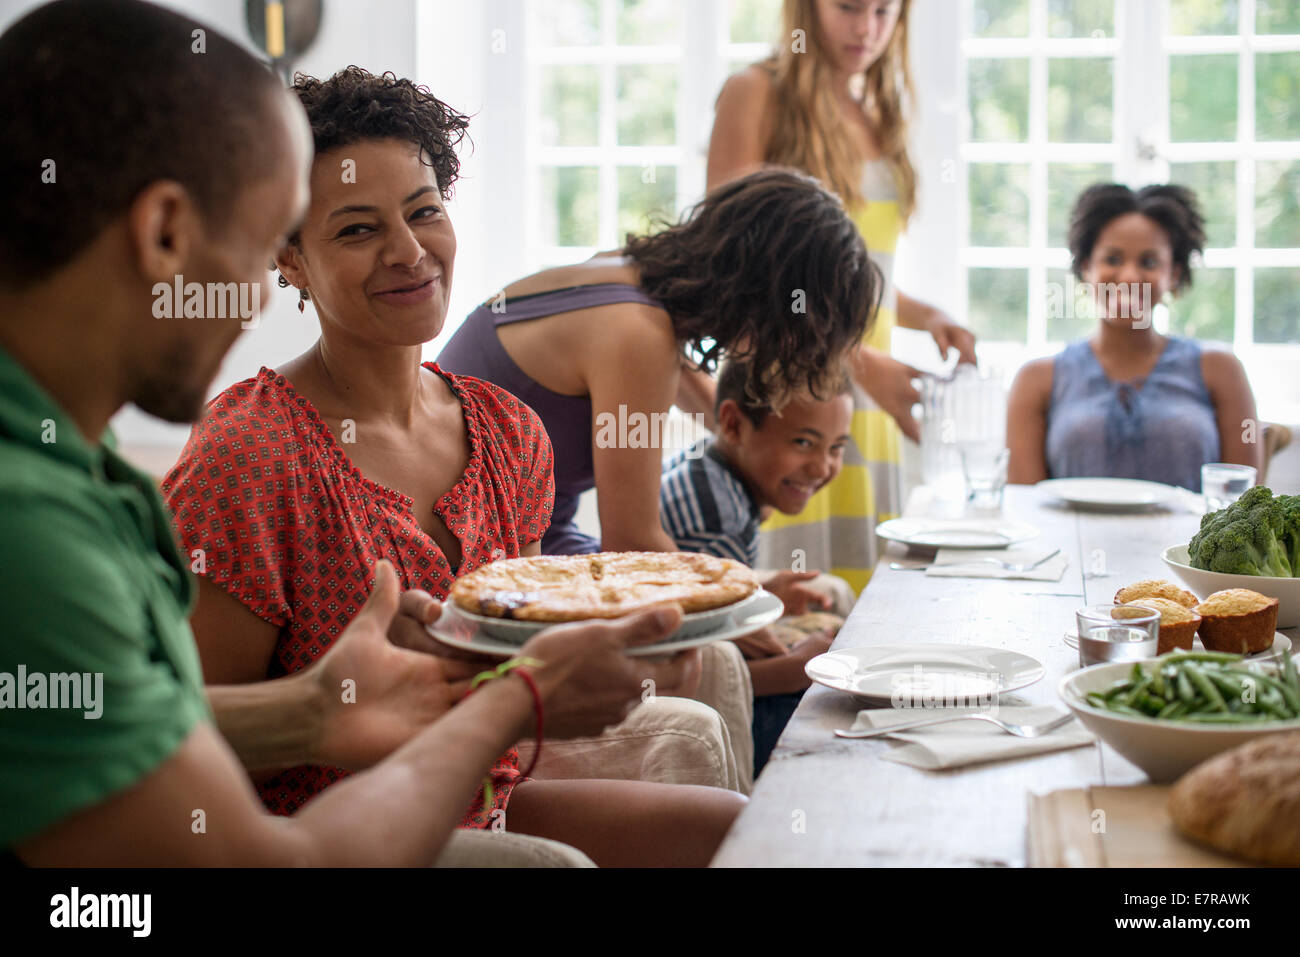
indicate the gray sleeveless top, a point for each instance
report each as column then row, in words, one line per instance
column 1162, row 429
column 476, row 350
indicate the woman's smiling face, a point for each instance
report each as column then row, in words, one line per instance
column 377, row 249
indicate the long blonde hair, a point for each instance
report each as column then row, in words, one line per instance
column 805, row 128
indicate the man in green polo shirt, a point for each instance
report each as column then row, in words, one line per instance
column 141, row 147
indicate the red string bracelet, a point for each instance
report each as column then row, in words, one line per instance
column 524, row 672
column 522, row 668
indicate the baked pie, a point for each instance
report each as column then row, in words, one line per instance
column 555, row 588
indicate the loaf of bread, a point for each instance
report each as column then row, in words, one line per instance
column 1245, row 802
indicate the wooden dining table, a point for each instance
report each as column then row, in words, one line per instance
column 827, row 801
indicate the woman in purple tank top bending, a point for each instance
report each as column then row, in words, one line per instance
column 769, row 267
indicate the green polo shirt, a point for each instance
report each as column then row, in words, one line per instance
column 93, row 594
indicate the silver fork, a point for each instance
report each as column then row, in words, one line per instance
column 1006, row 566
column 1019, row 730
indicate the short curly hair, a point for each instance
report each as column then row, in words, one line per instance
column 1174, row 209
column 355, row 105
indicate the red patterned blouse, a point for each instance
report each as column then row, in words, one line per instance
column 290, row 528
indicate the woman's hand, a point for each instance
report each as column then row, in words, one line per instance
column 794, row 594
column 889, row 383
column 588, row 681
column 761, row 644
column 948, row 334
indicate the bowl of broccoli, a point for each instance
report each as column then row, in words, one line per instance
column 1253, row 543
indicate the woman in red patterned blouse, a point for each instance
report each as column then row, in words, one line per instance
column 298, row 480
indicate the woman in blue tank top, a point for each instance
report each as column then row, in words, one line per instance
column 1129, row 402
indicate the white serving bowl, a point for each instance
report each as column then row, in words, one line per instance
column 1285, row 590
column 1165, row 750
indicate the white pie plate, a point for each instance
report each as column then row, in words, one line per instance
column 462, row 630
column 1109, row 493
column 879, row 672
column 955, row 532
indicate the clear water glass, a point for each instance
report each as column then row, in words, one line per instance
column 984, row 468
column 1116, row 633
column 1223, row 484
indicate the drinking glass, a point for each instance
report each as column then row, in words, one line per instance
column 985, row 470
column 1116, row 633
column 1223, row 484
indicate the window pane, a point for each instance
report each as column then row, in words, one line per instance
column 646, row 195
column 999, row 18
column 1065, row 181
column 755, row 21
column 568, row 23
column 1277, row 87
column 999, row 204
column 1215, row 186
column 999, row 100
column 1205, row 311
column 646, row 22
column 1203, row 98
column 1277, row 16
column 1069, row 307
column 570, row 106
column 1080, row 18
column 1277, row 204
column 999, row 304
column 1202, row 17
column 1079, row 100
column 647, row 101
column 570, row 214
column 1277, row 305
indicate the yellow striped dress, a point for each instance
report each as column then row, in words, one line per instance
column 836, row 530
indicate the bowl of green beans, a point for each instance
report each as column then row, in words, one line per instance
column 1168, row 714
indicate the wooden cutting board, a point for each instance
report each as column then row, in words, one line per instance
column 1112, row 827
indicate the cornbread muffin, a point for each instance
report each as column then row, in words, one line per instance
column 1245, row 801
column 1155, row 588
column 555, row 588
column 1238, row 620
column 1178, row 623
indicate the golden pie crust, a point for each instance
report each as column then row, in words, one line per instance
column 555, row 588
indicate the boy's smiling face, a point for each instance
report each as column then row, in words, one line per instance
column 792, row 454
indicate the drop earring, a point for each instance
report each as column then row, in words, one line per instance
column 302, row 298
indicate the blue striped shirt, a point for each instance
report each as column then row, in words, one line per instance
column 706, row 507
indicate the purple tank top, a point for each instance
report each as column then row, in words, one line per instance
column 476, row 350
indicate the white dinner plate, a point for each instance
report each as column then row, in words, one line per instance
column 1280, row 644
column 905, row 675
column 956, row 532
column 759, row 611
column 1109, row 493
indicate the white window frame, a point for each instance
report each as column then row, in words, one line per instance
column 1140, row 149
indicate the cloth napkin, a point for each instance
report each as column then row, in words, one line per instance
column 960, row 743
column 964, row 563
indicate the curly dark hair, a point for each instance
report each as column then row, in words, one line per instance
column 768, row 269
column 355, row 105
column 1174, row 208
column 733, row 379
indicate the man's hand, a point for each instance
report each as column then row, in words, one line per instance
column 760, row 644
column 375, row 695
column 889, row 382
column 794, row 594
column 589, row 683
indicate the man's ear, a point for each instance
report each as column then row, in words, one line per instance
column 729, row 420
column 164, row 229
